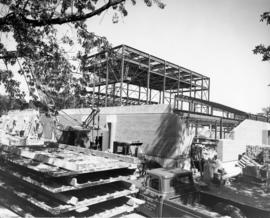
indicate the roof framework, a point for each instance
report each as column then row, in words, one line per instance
column 126, row 76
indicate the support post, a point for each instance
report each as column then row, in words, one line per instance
column 221, row 129
column 107, row 80
column 127, row 93
column 201, row 93
column 139, row 95
column 148, row 81
column 215, row 129
column 150, row 96
column 113, row 93
column 122, row 74
column 94, row 84
column 98, row 86
column 178, row 87
column 164, row 83
column 208, row 89
column 196, row 129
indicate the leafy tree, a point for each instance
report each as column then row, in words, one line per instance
column 262, row 49
column 34, row 28
column 8, row 103
column 266, row 111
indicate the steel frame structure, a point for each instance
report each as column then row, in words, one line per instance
column 127, row 76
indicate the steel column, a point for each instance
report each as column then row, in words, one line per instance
column 94, row 84
column 164, row 83
column 139, row 94
column 208, row 89
column 215, row 129
column 122, row 74
column 221, row 129
column 107, row 80
column 201, row 93
column 127, row 93
column 178, row 87
column 148, row 81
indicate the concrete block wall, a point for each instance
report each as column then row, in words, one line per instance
column 251, row 132
column 228, row 150
column 162, row 133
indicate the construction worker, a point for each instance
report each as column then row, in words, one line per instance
column 11, row 127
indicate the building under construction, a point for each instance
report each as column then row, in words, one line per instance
column 148, row 99
column 127, row 76
column 142, row 101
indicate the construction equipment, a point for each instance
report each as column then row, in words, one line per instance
column 78, row 135
column 175, row 193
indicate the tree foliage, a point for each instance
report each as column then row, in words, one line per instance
column 263, row 49
column 43, row 61
column 9, row 103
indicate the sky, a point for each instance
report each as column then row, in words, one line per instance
column 212, row 37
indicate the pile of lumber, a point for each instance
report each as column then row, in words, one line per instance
column 63, row 180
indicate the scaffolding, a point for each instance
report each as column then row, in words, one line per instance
column 127, row 76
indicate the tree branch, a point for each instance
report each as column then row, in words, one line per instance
column 60, row 20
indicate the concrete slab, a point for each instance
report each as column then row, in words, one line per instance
column 6, row 213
